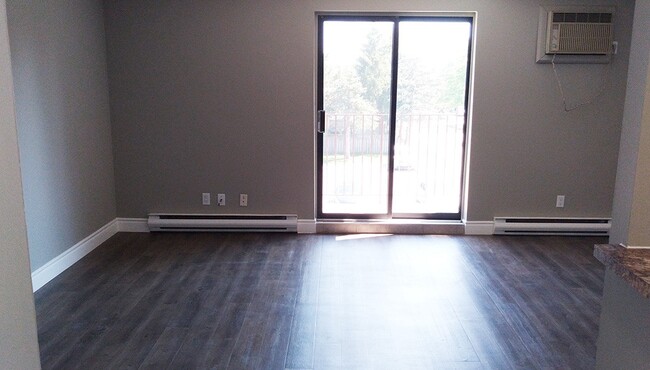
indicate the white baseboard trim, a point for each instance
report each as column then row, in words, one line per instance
column 395, row 226
column 132, row 225
column 479, row 227
column 306, row 226
column 68, row 258
column 635, row 246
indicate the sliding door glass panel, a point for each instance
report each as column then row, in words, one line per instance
column 429, row 130
column 357, row 64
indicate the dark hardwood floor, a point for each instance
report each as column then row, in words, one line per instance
column 282, row 301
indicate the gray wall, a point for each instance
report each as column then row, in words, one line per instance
column 525, row 148
column 218, row 96
column 631, row 150
column 623, row 339
column 211, row 96
column 640, row 216
column 59, row 65
column 18, row 342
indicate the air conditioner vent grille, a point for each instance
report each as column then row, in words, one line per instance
column 582, row 17
column 580, row 33
column 579, row 38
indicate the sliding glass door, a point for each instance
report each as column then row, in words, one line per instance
column 356, row 93
column 392, row 101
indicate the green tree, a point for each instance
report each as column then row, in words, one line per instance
column 423, row 90
column 452, row 86
column 345, row 93
column 373, row 70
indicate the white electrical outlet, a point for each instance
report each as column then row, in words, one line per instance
column 206, row 199
column 559, row 202
column 243, row 200
column 221, row 199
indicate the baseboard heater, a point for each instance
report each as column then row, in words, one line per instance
column 226, row 223
column 551, row 226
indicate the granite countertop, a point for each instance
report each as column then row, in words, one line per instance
column 632, row 265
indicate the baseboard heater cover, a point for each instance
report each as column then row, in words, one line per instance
column 224, row 223
column 551, row 226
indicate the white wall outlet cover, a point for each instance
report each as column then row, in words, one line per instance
column 243, row 200
column 206, row 199
column 221, row 199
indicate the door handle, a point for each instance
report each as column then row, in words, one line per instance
column 320, row 121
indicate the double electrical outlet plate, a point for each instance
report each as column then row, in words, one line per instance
column 221, row 199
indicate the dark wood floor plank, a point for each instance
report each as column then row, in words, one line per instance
column 153, row 306
column 188, row 355
column 300, row 353
column 282, row 301
column 165, row 349
column 223, row 339
column 276, row 339
column 247, row 350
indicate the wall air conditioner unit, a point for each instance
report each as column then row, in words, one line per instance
column 229, row 223
column 575, row 34
column 551, row 226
